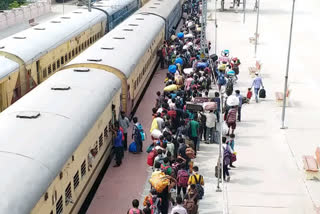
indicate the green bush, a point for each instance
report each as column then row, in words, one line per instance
column 9, row 4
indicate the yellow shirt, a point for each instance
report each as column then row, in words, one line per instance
column 192, row 180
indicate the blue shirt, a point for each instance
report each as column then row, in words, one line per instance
column 118, row 139
column 257, row 82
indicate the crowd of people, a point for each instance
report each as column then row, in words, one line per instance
column 198, row 99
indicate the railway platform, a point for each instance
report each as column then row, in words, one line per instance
column 269, row 175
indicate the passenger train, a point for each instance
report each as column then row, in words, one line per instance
column 55, row 140
column 31, row 56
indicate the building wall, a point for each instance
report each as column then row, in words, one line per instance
column 23, row 14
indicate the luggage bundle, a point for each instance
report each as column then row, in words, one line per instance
column 159, row 181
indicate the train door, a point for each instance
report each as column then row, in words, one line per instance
column 38, row 72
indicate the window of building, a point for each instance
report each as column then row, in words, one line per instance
column 100, row 141
column 83, row 169
column 68, row 194
column 54, row 67
column 49, row 69
column 76, row 180
column 44, row 73
column 58, row 63
column 62, row 60
column 59, row 206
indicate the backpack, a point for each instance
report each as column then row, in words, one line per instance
column 262, row 93
column 132, row 211
column 165, row 169
column 182, row 178
column 151, row 156
column 204, row 83
column 229, row 88
column 154, row 207
column 190, row 205
column 221, row 80
column 199, row 188
column 133, row 147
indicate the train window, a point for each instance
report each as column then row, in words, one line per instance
column 73, row 53
column 139, row 18
column 58, row 63
column 83, row 47
column 62, row 60
column 61, row 175
column 100, row 141
column 133, row 25
column 68, row 195
column 44, row 73
column 49, row 69
column 51, row 212
column 83, row 169
column 76, row 51
column 15, row 93
column 66, row 57
column 59, row 206
column 54, row 67
column 90, row 40
column 76, row 180
column 96, row 146
column 106, row 132
column 46, row 196
column 69, row 55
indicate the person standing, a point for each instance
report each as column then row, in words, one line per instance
column 216, row 99
column 136, row 134
column 124, row 123
column 210, row 126
column 135, row 209
column 240, row 104
column 257, row 84
column 118, row 147
column 231, row 119
column 194, row 126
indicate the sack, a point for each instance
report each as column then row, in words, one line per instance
column 133, row 147
column 159, row 182
column 199, row 187
column 208, row 106
column 221, row 80
column 229, row 88
column 150, row 148
column 156, row 133
column 233, row 157
column 190, row 206
column 262, row 93
column 151, row 156
column 182, row 178
column 169, row 88
column 202, row 65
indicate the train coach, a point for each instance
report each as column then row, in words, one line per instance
column 31, row 56
column 64, row 124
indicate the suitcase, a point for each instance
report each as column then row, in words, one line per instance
column 262, row 93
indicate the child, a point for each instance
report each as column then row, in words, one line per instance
column 249, row 94
column 231, row 141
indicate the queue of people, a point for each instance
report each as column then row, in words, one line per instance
column 186, row 114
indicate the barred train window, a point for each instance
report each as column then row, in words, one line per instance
column 68, row 195
column 62, row 60
column 59, row 206
column 44, row 73
column 76, row 180
column 58, row 63
column 66, row 57
column 106, row 131
column 54, row 67
column 100, row 141
column 83, row 169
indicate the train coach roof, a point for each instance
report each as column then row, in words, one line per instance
column 112, row 6
column 33, row 151
column 124, row 46
column 162, row 8
column 7, row 65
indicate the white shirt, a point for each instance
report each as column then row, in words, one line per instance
column 211, row 119
column 179, row 209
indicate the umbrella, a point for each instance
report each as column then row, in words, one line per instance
column 179, row 61
column 180, row 35
column 232, row 100
column 172, row 69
